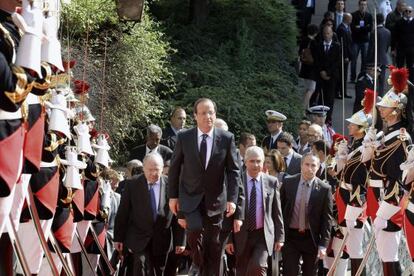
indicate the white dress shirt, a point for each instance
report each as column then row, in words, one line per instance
column 148, row 150
column 209, row 141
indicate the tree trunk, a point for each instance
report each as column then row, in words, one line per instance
column 199, row 11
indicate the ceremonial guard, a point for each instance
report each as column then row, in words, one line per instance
column 408, row 177
column 352, row 174
column 385, row 190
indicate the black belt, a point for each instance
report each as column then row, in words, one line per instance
column 296, row 231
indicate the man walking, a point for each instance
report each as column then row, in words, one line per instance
column 203, row 157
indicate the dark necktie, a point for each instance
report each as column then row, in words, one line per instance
column 203, row 150
column 302, row 207
column 326, row 48
column 153, row 202
column 252, row 208
column 286, row 163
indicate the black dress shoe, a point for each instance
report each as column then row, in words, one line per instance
column 339, row 97
column 348, row 96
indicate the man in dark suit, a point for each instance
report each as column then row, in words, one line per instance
column 307, row 215
column 383, row 45
column 304, row 11
column 361, row 28
column 275, row 127
column 328, row 60
column 292, row 159
column 203, row 157
column 153, row 139
column 142, row 224
column 263, row 232
column 403, row 40
column 177, row 123
column 365, row 80
column 345, row 38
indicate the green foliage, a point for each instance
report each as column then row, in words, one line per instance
column 80, row 16
column 127, row 66
column 241, row 58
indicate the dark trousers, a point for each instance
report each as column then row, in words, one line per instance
column 357, row 48
column 145, row 263
column 405, row 57
column 203, row 239
column 339, row 84
column 327, row 95
column 299, row 245
column 253, row 260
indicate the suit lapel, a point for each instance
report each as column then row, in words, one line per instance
column 214, row 146
column 264, row 191
column 195, row 145
column 162, row 198
column 313, row 195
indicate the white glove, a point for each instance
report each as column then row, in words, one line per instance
column 343, row 149
column 408, row 166
column 105, row 196
column 379, row 223
column 51, row 48
column 350, row 224
column 33, row 17
column 369, row 145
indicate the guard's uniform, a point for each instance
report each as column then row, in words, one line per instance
column 350, row 200
column 385, row 189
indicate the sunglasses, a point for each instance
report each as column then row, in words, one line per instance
column 408, row 11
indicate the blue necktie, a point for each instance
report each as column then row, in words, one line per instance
column 153, row 202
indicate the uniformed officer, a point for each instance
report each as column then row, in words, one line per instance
column 274, row 122
column 317, row 115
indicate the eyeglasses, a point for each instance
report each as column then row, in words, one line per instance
column 408, row 11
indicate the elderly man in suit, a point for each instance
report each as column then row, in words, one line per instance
column 292, row 159
column 177, row 123
column 263, row 232
column 307, row 216
column 383, row 46
column 142, row 224
column 203, row 157
column 274, row 122
column 152, row 144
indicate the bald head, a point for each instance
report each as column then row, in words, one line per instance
column 347, row 19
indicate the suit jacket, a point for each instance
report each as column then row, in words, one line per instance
column 140, row 152
column 266, row 142
column 345, row 36
column 328, row 61
column 169, row 137
column 319, row 207
column 134, row 224
column 384, row 43
column 190, row 181
column 294, row 165
column 273, row 219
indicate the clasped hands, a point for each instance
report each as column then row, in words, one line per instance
column 230, row 209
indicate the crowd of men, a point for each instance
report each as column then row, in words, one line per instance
column 191, row 199
column 327, row 51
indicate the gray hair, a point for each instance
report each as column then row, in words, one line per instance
column 310, row 154
column 155, row 157
column 317, row 129
column 154, row 129
column 220, row 123
column 254, row 151
column 134, row 163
